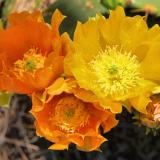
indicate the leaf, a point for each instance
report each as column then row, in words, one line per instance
column 5, row 99
column 112, row 4
column 1, row 24
column 141, row 4
column 75, row 10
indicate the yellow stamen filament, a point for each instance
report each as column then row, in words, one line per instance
column 70, row 114
column 31, row 61
column 117, row 72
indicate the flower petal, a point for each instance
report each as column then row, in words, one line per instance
column 140, row 103
column 59, row 146
column 150, row 66
column 92, row 142
column 109, row 123
column 19, row 18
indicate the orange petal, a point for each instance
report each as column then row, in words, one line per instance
column 109, row 123
column 96, row 117
column 12, row 84
column 76, row 139
column 59, row 146
column 92, row 143
column 57, row 19
column 86, row 96
column 28, row 35
column 66, row 44
column 19, row 18
column 44, row 77
column 58, row 87
column 37, row 104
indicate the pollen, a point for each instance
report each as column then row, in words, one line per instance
column 31, row 61
column 117, row 73
column 70, row 114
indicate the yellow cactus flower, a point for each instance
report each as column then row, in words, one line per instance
column 117, row 59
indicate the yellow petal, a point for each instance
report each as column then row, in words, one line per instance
column 140, row 103
column 115, row 107
column 128, row 33
column 150, row 66
column 127, row 105
column 153, row 33
column 57, row 87
column 156, row 90
column 87, row 32
column 110, row 28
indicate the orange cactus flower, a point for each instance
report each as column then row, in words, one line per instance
column 31, row 52
column 152, row 118
column 69, row 117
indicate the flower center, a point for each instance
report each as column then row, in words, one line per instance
column 31, row 61
column 70, row 114
column 117, row 73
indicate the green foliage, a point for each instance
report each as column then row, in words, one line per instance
column 75, row 10
column 1, row 24
column 112, row 4
column 5, row 99
column 141, row 4
column 153, row 131
column 7, row 8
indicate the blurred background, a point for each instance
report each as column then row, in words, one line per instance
column 18, row 140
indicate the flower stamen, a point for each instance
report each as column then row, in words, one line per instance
column 117, row 72
column 70, row 114
column 31, row 61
